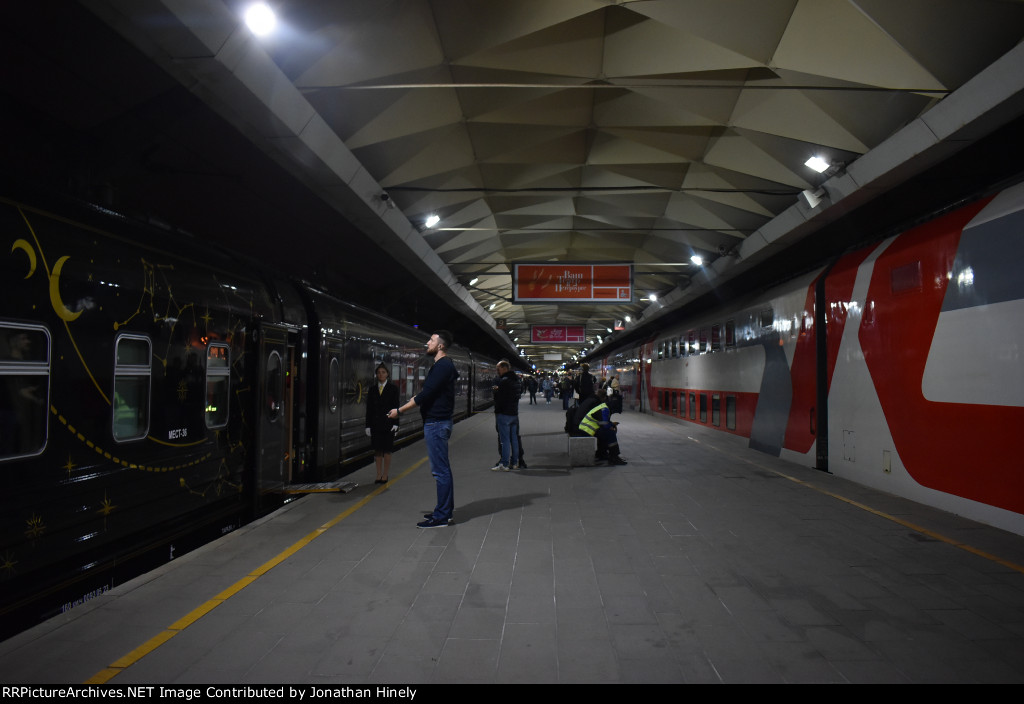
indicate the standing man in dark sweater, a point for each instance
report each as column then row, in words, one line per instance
column 507, row 391
column 436, row 402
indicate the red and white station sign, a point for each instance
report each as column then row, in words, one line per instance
column 548, row 334
column 554, row 282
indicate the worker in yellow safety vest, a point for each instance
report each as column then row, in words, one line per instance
column 596, row 422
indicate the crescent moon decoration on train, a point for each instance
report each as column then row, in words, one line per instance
column 59, row 308
column 29, row 252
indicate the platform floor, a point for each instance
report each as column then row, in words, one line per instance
column 699, row 561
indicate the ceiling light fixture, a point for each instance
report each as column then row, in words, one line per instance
column 260, row 19
column 432, row 220
column 817, row 164
column 697, row 259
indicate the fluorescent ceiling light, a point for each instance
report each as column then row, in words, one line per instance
column 260, row 19
column 432, row 220
column 817, row 163
column 697, row 259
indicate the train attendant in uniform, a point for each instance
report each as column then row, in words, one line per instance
column 437, row 407
column 596, row 422
column 379, row 428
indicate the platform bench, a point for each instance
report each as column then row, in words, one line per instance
column 581, row 451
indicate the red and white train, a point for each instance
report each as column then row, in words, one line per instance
column 899, row 366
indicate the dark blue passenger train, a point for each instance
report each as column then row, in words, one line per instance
column 157, row 392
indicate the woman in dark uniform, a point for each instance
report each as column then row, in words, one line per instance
column 380, row 429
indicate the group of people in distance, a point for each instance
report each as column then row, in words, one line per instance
column 436, row 403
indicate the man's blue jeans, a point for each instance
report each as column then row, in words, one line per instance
column 436, row 433
column 508, row 436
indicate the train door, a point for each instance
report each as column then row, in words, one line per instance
column 276, row 409
column 331, row 405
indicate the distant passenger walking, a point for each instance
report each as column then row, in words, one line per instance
column 437, row 407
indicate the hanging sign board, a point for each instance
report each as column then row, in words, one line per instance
column 554, row 282
column 558, row 334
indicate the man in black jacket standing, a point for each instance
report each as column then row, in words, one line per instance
column 585, row 386
column 437, row 407
column 507, row 391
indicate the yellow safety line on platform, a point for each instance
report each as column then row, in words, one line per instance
column 881, row 514
column 125, row 661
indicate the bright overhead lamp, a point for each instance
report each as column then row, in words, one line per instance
column 697, row 259
column 473, row 281
column 260, row 19
column 817, row 164
column 653, row 297
column 432, row 220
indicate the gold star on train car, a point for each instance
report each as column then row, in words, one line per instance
column 7, row 563
column 107, row 507
column 36, row 527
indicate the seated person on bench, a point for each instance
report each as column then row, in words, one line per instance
column 595, row 421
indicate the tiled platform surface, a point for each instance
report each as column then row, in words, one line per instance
column 700, row 561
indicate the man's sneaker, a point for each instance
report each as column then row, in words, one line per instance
column 429, row 516
column 432, row 523
column 499, row 468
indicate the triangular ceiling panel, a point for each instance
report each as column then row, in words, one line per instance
column 739, row 152
column 751, row 28
column 572, row 48
column 414, row 112
column 835, row 38
column 791, row 114
column 652, row 48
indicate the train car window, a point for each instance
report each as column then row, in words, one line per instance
column 682, row 346
column 133, row 357
column 692, row 346
column 333, row 385
column 275, row 386
column 730, row 412
column 767, row 318
column 25, row 377
column 693, row 406
column 704, row 335
column 218, row 383
column 906, row 278
column 716, row 411
column 716, row 338
column 730, row 334
column 703, row 408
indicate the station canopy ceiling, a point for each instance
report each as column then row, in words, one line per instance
column 575, row 130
